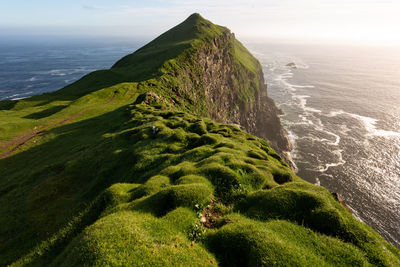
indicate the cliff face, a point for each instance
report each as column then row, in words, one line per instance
column 223, row 80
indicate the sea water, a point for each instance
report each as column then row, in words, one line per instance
column 35, row 65
column 341, row 108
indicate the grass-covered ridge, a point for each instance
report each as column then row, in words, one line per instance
column 127, row 173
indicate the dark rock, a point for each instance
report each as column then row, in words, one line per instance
column 292, row 65
column 341, row 201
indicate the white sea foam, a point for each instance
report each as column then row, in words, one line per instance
column 305, row 120
column 48, row 72
column 302, row 65
column 337, row 138
column 303, row 86
column 312, row 110
column 344, row 129
column 287, row 75
column 63, row 72
column 32, row 79
column 292, row 138
column 324, row 140
column 19, row 98
column 319, row 122
column 58, row 72
column 14, row 95
column 270, row 67
column 335, row 113
column 340, row 161
column 302, row 100
column 368, row 122
column 282, row 78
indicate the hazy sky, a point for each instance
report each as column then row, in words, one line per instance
column 372, row 21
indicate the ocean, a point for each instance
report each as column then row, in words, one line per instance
column 342, row 112
column 30, row 66
column 341, row 108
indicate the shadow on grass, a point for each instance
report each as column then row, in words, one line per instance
column 80, row 159
column 7, row 104
column 45, row 113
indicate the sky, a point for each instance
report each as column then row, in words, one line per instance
column 353, row 21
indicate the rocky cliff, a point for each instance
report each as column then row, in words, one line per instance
column 225, row 80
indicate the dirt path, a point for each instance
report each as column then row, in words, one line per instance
column 19, row 141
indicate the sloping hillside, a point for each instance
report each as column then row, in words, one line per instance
column 129, row 166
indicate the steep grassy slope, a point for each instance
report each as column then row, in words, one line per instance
column 125, row 168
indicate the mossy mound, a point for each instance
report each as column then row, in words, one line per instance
column 315, row 208
column 244, row 242
column 165, row 200
column 136, row 239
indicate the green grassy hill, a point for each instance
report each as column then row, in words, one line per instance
column 126, row 167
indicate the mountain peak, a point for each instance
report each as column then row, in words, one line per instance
column 175, row 40
column 196, row 24
column 195, row 16
column 196, row 19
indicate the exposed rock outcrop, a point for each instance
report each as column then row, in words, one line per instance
column 292, row 65
column 341, row 201
column 224, row 80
